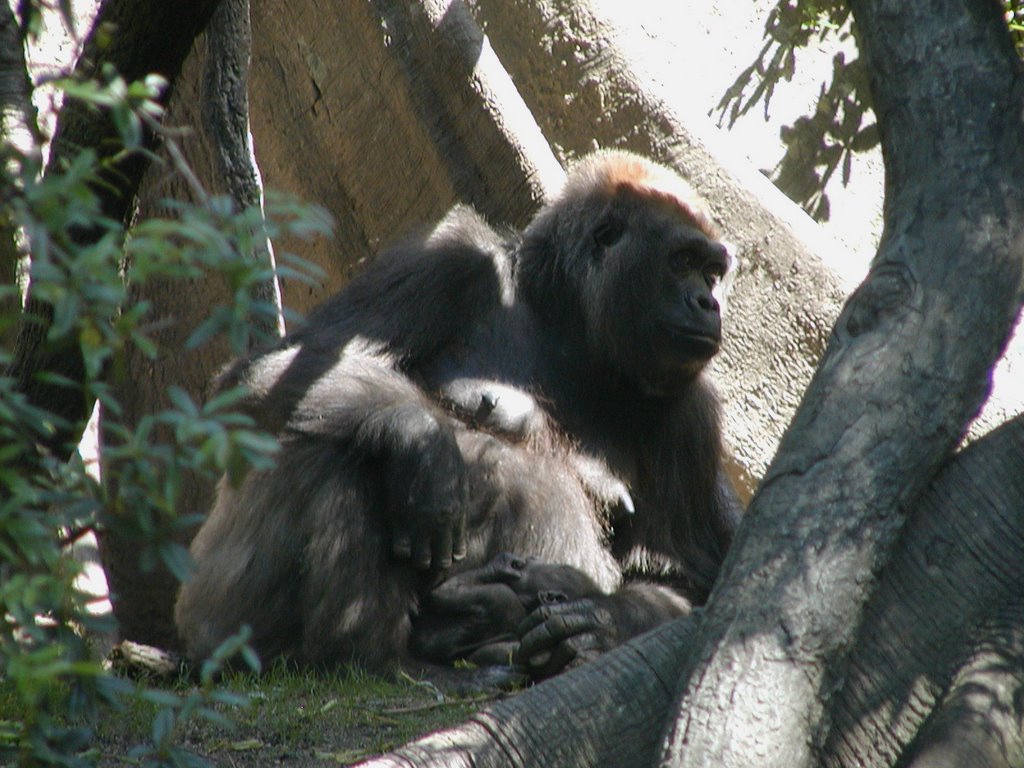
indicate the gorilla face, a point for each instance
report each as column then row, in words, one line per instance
column 650, row 292
column 688, row 310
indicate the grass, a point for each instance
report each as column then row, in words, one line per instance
column 294, row 718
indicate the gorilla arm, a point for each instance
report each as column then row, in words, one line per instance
column 365, row 405
column 348, row 376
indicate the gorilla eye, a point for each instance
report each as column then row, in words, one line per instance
column 609, row 232
column 713, row 275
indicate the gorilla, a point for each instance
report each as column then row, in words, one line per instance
column 494, row 445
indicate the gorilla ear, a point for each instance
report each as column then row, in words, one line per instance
column 609, row 230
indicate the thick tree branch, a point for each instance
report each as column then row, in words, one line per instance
column 958, row 565
column 907, row 367
column 226, row 119
column 151, row 36
column 979, row 720
column 18, row 130
column 468, row 102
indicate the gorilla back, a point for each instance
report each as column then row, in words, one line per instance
column 469, row 395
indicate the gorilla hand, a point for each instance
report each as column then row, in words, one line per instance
column 565, row 633
column 561, row 634
column 425, row 486
column 474, row 615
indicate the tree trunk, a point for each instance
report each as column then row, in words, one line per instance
column 152, row 37
column 19, row 130
column 952, row 571
column 211, row 100
column 906, row 369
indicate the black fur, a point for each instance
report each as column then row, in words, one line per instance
column 469, row 395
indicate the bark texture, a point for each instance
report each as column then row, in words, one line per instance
column 388, row 113
column 18, row 129
column 979, row 721
column 958, row 566
column 906, row 369
column 226, row 122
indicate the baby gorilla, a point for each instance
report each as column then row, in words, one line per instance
column 514, row 415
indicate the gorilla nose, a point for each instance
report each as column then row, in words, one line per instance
column 703, row 302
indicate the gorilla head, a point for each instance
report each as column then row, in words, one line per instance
column 626, row 258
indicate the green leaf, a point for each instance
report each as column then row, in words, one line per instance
column 178, row 560
column 181, row 400
column 163, row 727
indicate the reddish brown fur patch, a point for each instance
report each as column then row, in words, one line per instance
column 616, row 171
column 690, row 208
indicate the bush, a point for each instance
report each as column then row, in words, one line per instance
column 52, row 685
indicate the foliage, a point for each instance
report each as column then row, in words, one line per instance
column 817, row 145
column 842, row 124
column 47, row 502
column 1015, row 20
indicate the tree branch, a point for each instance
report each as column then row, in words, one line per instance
column 152, row 36
column 18, row 129
column 907, row 367
column 958, row 565
column 978, row 722
column 226, row 119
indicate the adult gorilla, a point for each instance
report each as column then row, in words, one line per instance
column 470, row 395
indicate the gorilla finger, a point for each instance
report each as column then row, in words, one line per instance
column 494, row 654
column 497, row 571
column 537, row 663
column 421, row 554
column 553, row 632
column 534, row 619
column 543, row 613
column 495, row 602
column 572, row 652
column 459, row 543
column 443, row 549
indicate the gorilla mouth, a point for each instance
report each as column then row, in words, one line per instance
column 693, row 343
